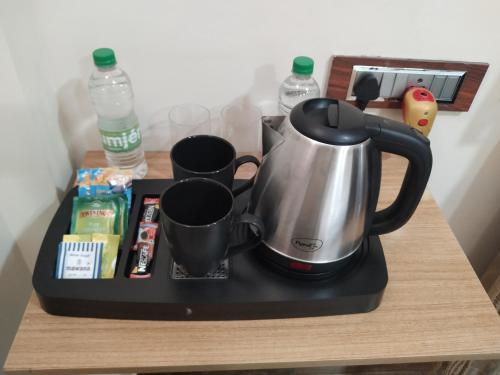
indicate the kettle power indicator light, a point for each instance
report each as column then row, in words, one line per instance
column 423, row 122
column 300, row 266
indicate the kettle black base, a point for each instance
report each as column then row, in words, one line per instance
column 312, row 271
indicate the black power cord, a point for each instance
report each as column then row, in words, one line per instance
column 366, row 89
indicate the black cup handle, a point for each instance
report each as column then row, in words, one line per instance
column 239, row 233
column 238, row 163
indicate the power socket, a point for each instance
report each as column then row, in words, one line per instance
column 393, row 82
column 453, row 83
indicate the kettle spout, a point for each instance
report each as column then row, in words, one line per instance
column 272, row 133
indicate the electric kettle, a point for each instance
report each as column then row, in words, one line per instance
column 318, row 185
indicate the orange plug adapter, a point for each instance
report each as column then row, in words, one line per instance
column 419, row 109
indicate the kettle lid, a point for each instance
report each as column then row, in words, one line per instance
column 329, row 121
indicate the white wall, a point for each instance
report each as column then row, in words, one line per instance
column 214, row 52
column 34, row 168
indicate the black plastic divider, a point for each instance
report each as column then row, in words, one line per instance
column 128, row 242
column 252, row 291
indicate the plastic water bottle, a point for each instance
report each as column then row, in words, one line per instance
column 113, row 99
column 299, row 86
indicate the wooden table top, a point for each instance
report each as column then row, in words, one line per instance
column 434, row 309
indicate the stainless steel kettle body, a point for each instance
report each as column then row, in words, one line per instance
column 313, row 197
column 317, row 187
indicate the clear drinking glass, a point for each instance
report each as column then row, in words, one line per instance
column 188, row 119
column 242, row 126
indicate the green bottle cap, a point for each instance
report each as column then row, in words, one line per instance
column 303, row 65
column 104, row 57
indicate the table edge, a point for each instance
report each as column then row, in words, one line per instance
column 252, row 366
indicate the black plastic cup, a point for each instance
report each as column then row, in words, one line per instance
column 210, row 157
column 201, row 227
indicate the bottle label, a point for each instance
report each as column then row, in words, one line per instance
column 122, row 140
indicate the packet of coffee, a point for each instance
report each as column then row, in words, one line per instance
column 151, row 210
column 142, row 268
column 146, row 233
column 144, row 250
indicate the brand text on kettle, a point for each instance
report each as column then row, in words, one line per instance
column 307, row 244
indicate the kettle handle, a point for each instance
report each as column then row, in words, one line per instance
column 397, row 138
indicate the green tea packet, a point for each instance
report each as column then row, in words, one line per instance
column 77, row 238
column 122, row 203
column 106, row 214
column 95, row 215
column 109, row 253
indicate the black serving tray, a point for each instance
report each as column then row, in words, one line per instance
column 247, row 288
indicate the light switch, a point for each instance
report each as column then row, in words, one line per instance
column 400, row 84
column 449, row 88
column 437, row 85
column 387, row 84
